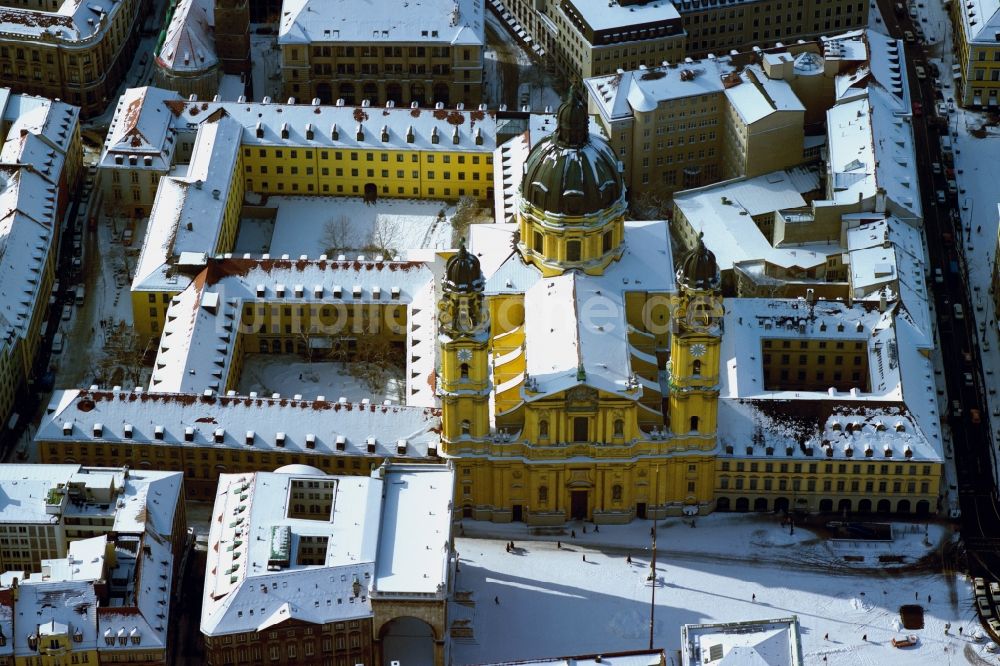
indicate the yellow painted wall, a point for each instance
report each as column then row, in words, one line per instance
column 437, row 174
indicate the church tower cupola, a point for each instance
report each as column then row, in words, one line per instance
column 463, row 368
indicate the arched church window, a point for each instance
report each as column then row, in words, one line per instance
column 696, row 368
column 616, row 493
column 538, row 243
column 464, row 371
column 694, row 424
column 543, row 494
column 619, row 427
column 543, row 428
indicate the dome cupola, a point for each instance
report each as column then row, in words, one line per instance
column 462, row 272
column 699, row 269
column 572, row 172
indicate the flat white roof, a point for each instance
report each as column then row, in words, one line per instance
column 604, row 15
column 384, row 534
column 415, row 530
column 454, row 22
column 750, row 643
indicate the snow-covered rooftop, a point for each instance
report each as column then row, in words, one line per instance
column 199, row 336
column 617, row 95
column 748, row 643
column 602, row 15
column 415, row 530
column 311, row 427
column 725, row 213
column 981, row 21
column 73, row 21
column 886, row 258
column 273, row 555
column 453, row 22
column 189, row 45
column 577, row 321
column 757, row 96
column 141, row 128
column 54, row 607
column 24, row 490
column 871, row 150
column 137, row 501
column 900, row 375
column 188, row 212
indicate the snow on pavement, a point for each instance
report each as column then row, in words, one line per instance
column 288, row 375
column 301, row 225
column 552, row 601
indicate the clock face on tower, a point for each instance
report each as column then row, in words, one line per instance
column 697, row 350
column 464, row 354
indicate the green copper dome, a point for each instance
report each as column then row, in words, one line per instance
column 572, row 172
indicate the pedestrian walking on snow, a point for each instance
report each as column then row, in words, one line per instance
column 628, row 559
column 864, row 637
column 572, row 533
column 496, row 600
column 559, row 545
column 826, row 637
column 753, row 598
column 597, row 528
column 584, row 557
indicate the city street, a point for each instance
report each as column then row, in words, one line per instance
column 958, row 342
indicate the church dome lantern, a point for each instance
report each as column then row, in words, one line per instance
column 570, row 172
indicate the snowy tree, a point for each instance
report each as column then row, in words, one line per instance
column 336, row 233
column 467, row 212
column 385, row 237
column 651, row 205
column 372, row 363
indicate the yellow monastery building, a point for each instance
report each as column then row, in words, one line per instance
column 552, row 371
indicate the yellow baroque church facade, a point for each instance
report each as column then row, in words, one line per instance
column 580, row 380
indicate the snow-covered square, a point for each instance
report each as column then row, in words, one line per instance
column 558, row 594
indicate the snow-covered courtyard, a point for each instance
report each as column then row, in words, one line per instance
column 290, row 375
column 581, row 596
column 311, row 225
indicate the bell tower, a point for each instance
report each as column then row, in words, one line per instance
column 695, row 340
column 463, row 335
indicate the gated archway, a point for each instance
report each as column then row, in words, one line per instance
column 407, row 640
